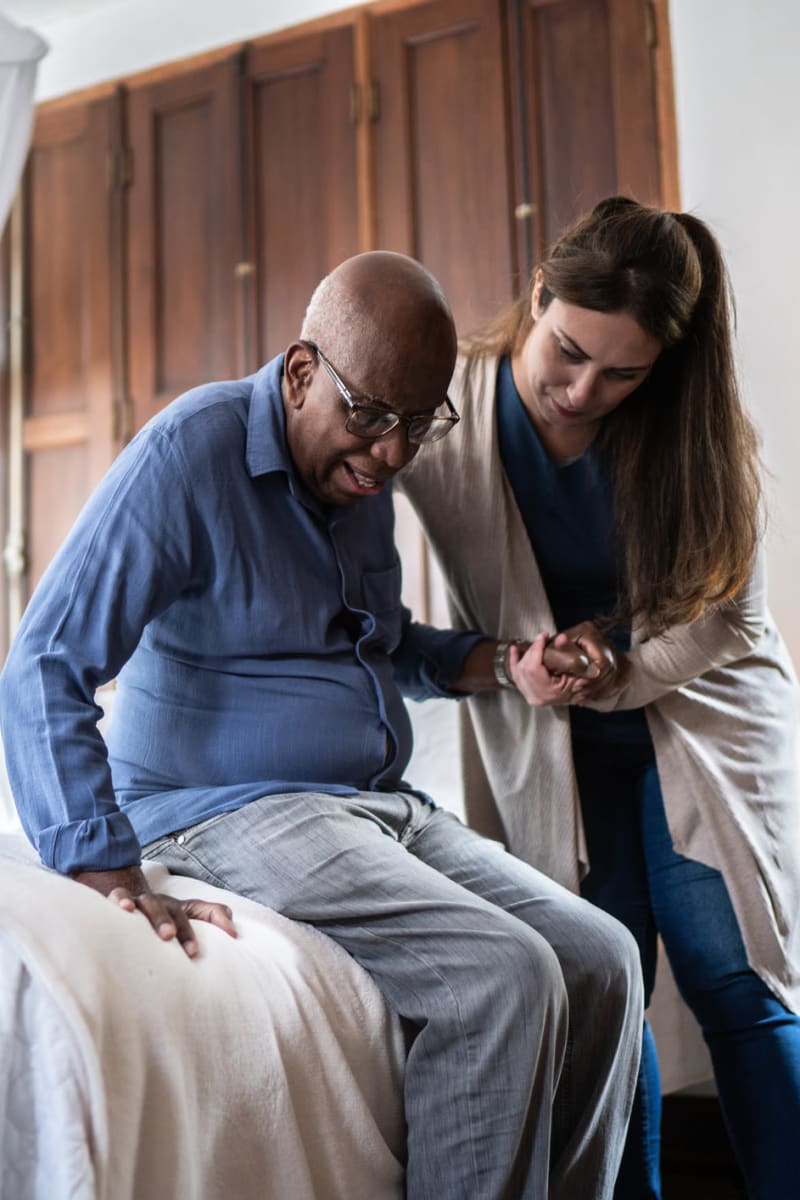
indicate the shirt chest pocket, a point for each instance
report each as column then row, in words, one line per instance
column 382, row 599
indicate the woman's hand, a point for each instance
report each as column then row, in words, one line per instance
column 564, row 657
column 608, row 667
column 537, row 684
column 169, row 916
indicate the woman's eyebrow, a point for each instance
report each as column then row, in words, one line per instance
column 579, row 350
column 573, row 344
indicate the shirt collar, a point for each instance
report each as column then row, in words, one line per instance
column 266, row 424
column 267, row 448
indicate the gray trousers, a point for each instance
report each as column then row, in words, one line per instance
column 524, row 1002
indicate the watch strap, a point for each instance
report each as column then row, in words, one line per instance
column 499, row 665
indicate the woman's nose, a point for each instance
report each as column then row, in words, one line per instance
column 582, row 386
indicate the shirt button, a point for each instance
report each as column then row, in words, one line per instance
column 180, row 839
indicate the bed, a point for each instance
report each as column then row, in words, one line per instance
column 269, row 1068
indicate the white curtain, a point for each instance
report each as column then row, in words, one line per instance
column 20, row 51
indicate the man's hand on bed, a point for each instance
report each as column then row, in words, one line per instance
column 169, row 916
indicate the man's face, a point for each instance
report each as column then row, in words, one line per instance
column 339, row 467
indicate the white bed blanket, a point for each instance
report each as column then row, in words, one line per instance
column 269, row 1068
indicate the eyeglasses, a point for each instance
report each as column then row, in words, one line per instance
column 366, row 420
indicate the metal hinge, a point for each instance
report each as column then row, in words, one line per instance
column 364, row 107
column 355, row 102
column 651, row 22
column 122, row 422
column 120, row 168
column 374, row 102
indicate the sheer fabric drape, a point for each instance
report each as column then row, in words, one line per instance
column 20, row 52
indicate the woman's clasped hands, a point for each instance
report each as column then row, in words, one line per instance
column 576, row 666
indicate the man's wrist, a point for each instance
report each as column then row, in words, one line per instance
column 131, row 878
column 502, row 677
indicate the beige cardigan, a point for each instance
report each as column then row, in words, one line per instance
column 720, row 697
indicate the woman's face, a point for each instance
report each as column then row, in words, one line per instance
column 575, row 367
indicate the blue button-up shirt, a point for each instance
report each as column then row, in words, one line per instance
column 259, row 640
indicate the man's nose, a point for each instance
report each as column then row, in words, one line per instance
column 394, row 448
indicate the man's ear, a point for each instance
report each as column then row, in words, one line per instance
column 299, row 366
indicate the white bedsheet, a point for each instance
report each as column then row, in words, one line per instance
column 269, row 1068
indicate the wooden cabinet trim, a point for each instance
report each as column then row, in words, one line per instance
column 55, row 430
column 665, row 106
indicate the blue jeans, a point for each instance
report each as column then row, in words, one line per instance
column 525, row 1001
column 754, row 1041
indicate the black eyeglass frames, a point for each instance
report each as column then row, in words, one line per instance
column 366, row 420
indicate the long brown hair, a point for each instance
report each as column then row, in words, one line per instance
column 682, row 452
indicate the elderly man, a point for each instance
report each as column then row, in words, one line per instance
column 236, row 569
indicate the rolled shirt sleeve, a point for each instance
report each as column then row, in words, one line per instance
column 428, row 661
column 117, row 570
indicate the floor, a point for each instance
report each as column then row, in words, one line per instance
column 696, row 1158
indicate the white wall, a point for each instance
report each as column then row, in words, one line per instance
column 738, row 99
column 107, row 39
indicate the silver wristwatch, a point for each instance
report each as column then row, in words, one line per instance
column 499, row 665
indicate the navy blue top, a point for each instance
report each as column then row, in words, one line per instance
column 568, row 512
column 259, row 640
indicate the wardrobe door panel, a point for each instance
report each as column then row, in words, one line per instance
column 302, row 177
column 443, row 168
column 53, row 473
column 71, row 377
column 183, row 235
column 588, row 124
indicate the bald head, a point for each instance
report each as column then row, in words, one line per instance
column 387, row 309
column 383, row 342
